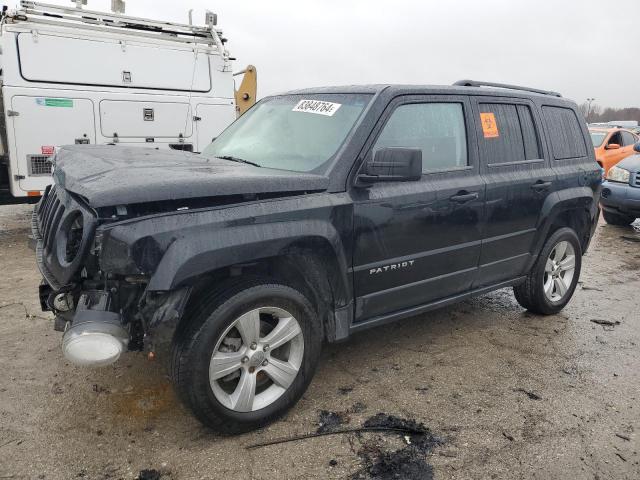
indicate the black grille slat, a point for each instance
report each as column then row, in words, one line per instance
column 52, row 228
column 42, row 215
column 48, row 219
column 51, row 199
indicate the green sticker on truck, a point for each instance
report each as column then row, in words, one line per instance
column 55, row 102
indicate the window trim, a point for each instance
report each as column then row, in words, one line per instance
column 515, row 102
column 426, row 99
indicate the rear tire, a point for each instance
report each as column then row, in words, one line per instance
column 223, row 367
column 552, row 281
column 617, row 219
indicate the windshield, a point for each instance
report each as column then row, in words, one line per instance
column 597, row 138
column 291, row 132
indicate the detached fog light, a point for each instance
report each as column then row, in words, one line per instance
column 94, row 343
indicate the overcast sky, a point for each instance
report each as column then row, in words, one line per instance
column 582, row 48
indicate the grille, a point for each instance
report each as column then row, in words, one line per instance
column 49, row 215
column 39, row 165
column 636, row 182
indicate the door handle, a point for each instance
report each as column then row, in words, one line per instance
column 540, row 186
column 464, row 197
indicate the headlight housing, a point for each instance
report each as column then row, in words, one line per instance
column 617, row 174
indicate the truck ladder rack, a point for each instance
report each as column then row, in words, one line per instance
column 44, row 13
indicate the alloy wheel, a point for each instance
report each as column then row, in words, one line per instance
column 559, row 271
column 256, row 359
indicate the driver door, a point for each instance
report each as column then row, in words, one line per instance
column 418, row 242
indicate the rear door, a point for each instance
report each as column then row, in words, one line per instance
column 419, row 242
column 519, row 178
column 42, row 123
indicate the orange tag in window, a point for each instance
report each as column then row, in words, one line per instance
column 489, row 125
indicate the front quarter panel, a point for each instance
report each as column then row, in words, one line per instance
column 177, row 247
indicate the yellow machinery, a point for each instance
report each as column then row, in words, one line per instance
column 246, row 94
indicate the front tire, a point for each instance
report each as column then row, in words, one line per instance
column 247, row 355
column 554, row 277
column 616, row 219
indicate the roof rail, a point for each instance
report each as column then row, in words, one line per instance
column 475, row 83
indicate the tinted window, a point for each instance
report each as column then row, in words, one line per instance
column 565, row 133
column 438, row 129
column 616, row 138
column 628, row 138
column 509, row 134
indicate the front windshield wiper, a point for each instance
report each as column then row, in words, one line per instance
column 236, row 159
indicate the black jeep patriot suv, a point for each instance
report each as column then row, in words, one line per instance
column 315, row 215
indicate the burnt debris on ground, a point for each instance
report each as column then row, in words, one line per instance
column 408, row 462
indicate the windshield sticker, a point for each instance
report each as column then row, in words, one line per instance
column 317, row 106
column 489, row 125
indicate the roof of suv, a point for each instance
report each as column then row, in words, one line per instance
column 440, row 89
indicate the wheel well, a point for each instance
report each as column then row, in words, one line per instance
column 308, row 270
column 578, row 220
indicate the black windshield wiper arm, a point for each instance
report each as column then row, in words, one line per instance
column 236, row 159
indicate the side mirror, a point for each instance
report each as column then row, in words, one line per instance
column 636, row 147
column 612, row 146
column 393, row 164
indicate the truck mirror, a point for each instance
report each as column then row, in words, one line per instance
column 636, row 147
column 613, row 146
column 393, row 164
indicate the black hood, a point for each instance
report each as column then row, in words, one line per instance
column 113, row 175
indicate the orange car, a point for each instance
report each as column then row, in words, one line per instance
column 612, row 145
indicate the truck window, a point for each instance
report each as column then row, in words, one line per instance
column 565, row 133
column 438, row 129
column 513, row 138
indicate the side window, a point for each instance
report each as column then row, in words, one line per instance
column 616, row 138
column 566, row 136
column 509, row 133
column 628, row 138
column 438, row 129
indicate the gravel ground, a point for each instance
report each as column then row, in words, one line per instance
column 504, row 394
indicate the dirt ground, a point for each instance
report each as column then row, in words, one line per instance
column 505, row 394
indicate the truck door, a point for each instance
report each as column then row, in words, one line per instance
column 211, row 121
column 418, row 242
column 41, row 123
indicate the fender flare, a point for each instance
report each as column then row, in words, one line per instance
column 199, row 251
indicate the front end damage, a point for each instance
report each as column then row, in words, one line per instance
column 102, row 315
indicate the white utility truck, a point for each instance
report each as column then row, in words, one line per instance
column 75, row 76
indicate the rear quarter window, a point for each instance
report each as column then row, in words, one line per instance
column 565, row 133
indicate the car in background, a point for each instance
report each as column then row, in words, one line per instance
column 612, row 145
column 620, row 197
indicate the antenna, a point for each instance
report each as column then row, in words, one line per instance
column 117, row 6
